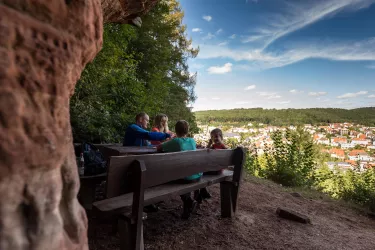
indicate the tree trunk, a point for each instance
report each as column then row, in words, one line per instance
column 44, row 46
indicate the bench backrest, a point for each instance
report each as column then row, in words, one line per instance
column 161, row 168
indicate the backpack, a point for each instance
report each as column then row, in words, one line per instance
column 94, row 160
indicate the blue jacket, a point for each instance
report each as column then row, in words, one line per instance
column 137, row 136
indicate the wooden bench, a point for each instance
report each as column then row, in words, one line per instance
column 139, row 180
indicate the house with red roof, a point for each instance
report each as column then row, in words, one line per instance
column 337, row 153
column 361, row 136
column 359, row 155
column 337, row 141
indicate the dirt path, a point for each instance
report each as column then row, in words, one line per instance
column 256, row 226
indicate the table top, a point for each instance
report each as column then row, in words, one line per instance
column 132, row 150
column 93, row 177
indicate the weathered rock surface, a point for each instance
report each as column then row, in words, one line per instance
column 292, row 215
column 44, row 46
column 295, row 194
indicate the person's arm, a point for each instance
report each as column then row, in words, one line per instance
column 209, row 143
column 144, row 134
column 159, row 148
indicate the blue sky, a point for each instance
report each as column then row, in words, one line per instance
column 282, row 53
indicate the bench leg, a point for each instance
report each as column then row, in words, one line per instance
column 228, row 196
column 128, row 234
column 226, row 199
column 87, row 194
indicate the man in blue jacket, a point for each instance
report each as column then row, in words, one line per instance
column 137, row 135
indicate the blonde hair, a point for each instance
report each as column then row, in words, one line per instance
column 158, row 122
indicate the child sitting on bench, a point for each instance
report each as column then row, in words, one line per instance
column 183, row 143
column 216, row 142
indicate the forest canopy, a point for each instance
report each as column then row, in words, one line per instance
column 138, row 69
column 285, row 117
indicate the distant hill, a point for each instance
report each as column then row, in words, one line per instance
column 281, row 117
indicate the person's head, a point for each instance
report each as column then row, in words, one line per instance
column 217, row 136
column 182, row 128
column 161, row 122
column 142, row 120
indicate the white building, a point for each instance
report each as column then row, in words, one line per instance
column 344, row 131
column 359, row 142
column 232, row 135
column 341, row 165
column 323, row 141
column 360, row 157
column 346, row 145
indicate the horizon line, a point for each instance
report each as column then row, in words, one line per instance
column 280, row 109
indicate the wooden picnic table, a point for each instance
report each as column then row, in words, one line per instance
column 89, row 183
column 133, row 150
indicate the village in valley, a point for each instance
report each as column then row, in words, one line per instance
column 347, row 145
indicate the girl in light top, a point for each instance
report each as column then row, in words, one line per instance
column 160, row 125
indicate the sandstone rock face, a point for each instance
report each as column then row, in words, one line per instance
column 123, row 11
column 44, row 46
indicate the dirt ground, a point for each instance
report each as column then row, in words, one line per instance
column 335, row 225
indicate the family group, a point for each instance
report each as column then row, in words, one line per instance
column 160, row 136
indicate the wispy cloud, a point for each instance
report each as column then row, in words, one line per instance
column 300, row 14
column 269, row 95
column 322, row 99
column 223, row 43
column 196, row 65
column 219, row 31
column 220, row 70
column 265, row 93
column 352, row 95
column 295, row 91
column 243, row 67
column 207, row 18
column 371, row 96
column 242, row 102
column 209, row 36
column 317, row 93
column 196, row 30
column 250, row 87
column 283, row 102
column 331, row 50
column 274, row 97
column 248, row 39
column 232, row 36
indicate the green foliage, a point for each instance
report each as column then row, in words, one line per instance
column 290, row 161
column 231, row 143
column 285, row 117
column 293, row 160
column 137, row 70
column 358, row 187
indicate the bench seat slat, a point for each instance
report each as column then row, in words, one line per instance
column 164, row 167
column 160, row 193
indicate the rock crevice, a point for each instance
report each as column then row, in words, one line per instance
column 44, row 46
